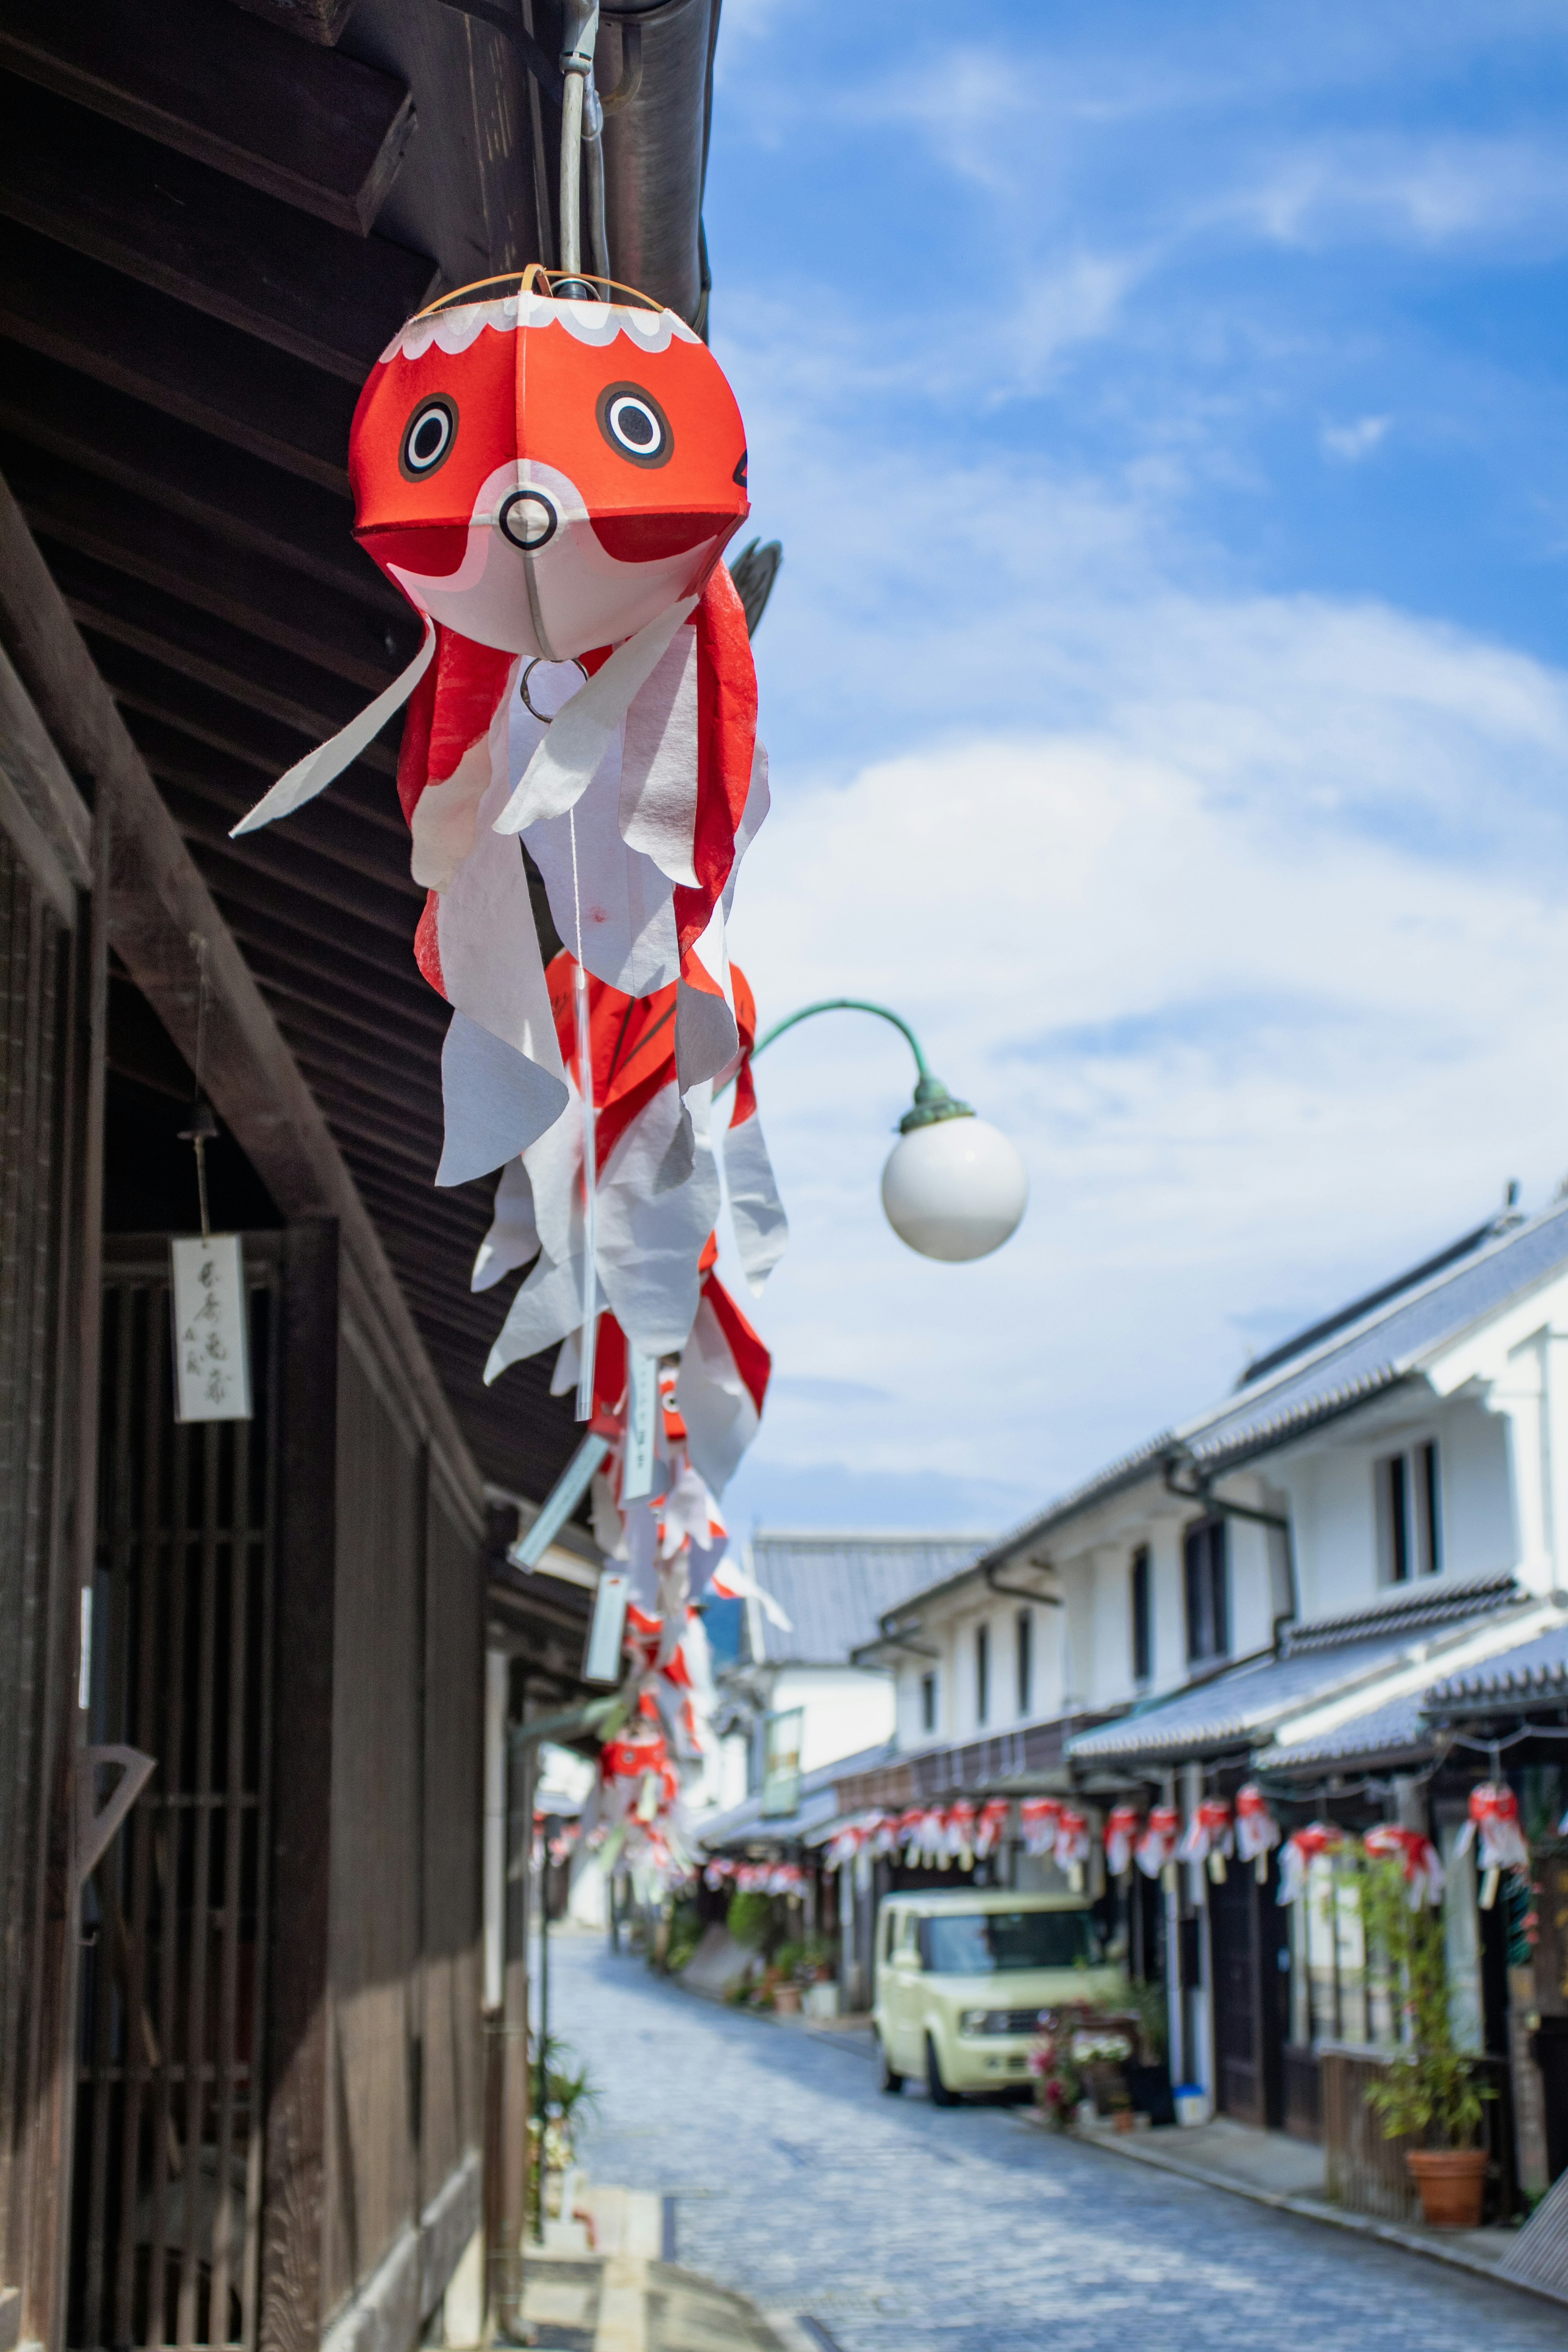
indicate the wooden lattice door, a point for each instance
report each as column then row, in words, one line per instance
column 166, row 2197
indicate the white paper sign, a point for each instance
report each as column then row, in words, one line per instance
column 212, row 1356
column 642, row 1398
column 602, row 1659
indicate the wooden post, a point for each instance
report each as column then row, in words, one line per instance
column 297, row 1962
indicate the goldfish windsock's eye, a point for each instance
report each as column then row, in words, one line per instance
column 427, row 437
column 635, row 425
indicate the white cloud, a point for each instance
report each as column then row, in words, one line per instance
column 1350, row 443
column 1253, row 1057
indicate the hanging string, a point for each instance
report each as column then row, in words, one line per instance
column 203, row 1129
column 588, row 1342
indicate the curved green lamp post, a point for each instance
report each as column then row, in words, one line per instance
column 953, row 1187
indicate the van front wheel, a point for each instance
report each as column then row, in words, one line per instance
column 886, row 2079
column 941, row 2096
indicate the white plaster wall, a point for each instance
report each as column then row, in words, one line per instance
column 1478, row 1530
column 846, row 1708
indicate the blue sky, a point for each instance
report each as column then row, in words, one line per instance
column 1165, row 687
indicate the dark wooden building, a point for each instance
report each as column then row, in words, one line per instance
column 245, row 2089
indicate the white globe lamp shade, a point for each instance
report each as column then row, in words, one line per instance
column 954, row 1189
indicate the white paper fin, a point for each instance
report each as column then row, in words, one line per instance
column 659, row 764
column 316, row 769
column 496, row 1101
column 579, row 736
column 762, row 1228
column 513, row 1237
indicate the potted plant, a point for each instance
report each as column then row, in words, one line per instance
column 1058, row 2085
column 786, row 1992
column 1429, row 2092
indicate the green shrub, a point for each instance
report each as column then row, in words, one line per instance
column 751, row 1921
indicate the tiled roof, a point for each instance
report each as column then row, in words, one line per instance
column 744, row 1825
column 1237, row 1706
column 834, row 1589
column 1429, row 1600
column 1387, row 1341
column 1243, row 1705
column 1393, row 1727
column 1535, row 1670
column 1340, row 1362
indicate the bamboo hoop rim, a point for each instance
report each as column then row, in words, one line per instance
column 528, row 281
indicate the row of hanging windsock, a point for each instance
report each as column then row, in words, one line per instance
column 1217, row 1832
column 754, row 1878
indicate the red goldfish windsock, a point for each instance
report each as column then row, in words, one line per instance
column 1417, row 1855
column 912, row 1821
column 1161, row 1835
column 1494, row 1822
column 1257, row 1831
column 1299, row 1852
column 1037, row 1818
column 960, row 1819
column 1493, row 1829
column 991, row 1826
column 1209, row 1837
column 1071, row 1849
column 1120, row 1835
column 551, row 485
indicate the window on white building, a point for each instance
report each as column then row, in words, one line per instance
column 928, row 1702
column 981, row 1673
column 1206, row 1571
column 1024, row 1654
column 1409, row 1513
column 1143, row 1617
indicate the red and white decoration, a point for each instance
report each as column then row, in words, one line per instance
column 1122, row 1827
column 1417, row 1855
column 1156, row 1849
column 1493, row 1829
column 1300, row 1851
column 991, row 1827
column 1257, row 1831
column 1209, row 1837
column 1037, row 1818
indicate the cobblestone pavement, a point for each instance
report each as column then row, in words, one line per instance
column 899, row 2227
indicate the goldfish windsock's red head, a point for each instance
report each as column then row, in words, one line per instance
column 546, row 477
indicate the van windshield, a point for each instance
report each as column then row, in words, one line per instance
column 989, row 1943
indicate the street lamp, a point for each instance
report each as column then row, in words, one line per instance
column 953, row 1187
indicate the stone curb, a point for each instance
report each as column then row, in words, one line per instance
column 1306, row 2209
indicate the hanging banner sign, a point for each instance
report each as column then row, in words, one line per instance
column 602, row 1659
column 642, row 1398
column 212, row 1356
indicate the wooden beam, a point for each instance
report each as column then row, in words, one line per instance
column 155, row 632
column 346, row 935
column 294, row 999
column 155, row 694
column 361, row 1045
column 414, row 1090
column 332, row 825
column 108, row 328
column 243, row 500
column 324, row 134
column 287, row 860
column 302, row 960
column 156, row 900
column 136, row 539
column 329, row 298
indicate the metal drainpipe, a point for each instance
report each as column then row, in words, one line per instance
column 1201, row 1491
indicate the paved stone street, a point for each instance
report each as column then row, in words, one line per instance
column 896, row 2227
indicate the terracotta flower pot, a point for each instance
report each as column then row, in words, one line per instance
column 786, row 1999
column 1452, row 2181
